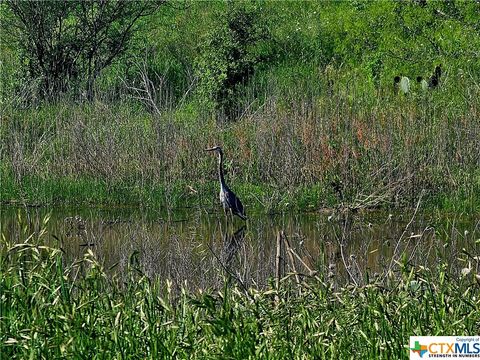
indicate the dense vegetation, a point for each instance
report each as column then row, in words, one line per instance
column 54, row 308
column 107, row 104
column 301, row 96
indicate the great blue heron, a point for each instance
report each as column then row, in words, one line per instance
column 230, row 202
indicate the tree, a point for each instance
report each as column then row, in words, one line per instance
column 66, row 44
column 230, row 54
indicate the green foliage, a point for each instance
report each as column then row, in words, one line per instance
column 56, row 308
column 313, row 82
column 66, row 43
column 236, row 46
column 223, row 44
column 387, row 38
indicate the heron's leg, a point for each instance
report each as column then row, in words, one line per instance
column 231, row 216
column 226, row 217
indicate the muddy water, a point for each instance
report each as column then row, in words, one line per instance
column 198, row 250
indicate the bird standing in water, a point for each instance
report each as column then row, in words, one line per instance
column 230, row 202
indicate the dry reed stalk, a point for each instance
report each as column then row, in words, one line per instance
column 341, row 243
column 310, row 271
column 288, row 250
column 278, row 260
column 394, row 258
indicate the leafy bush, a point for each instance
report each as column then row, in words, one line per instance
column 230, row 54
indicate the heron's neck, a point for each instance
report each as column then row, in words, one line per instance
column 220, row 169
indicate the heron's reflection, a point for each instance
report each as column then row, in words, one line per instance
column 231, row 244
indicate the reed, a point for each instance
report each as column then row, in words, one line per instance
column 53, row 307
column 297, row 143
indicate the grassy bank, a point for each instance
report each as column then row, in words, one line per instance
column 34, row 192
column 302, row 146
column 51, row 309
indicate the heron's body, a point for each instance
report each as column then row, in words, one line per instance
column 230, row 202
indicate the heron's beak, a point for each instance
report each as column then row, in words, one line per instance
column 210, row 149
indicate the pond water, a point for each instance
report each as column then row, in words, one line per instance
column 197, row 249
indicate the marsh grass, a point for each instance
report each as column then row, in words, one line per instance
column 295, row 137
column 52, row 307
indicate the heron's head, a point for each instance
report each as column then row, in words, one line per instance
column 215, row 148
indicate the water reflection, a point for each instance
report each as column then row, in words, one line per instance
column 231, row 245
column 199, row 250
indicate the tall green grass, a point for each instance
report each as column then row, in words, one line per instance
column 295, row 137
column 51, row 308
